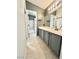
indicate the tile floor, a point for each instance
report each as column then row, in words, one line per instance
column 37, row 49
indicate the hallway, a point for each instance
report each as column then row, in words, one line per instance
column 37, row 49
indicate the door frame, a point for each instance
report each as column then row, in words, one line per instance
column 27, row 22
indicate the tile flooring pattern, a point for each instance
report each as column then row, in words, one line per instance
column 37, row 49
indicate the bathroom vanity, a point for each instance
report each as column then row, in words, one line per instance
column 52, row 38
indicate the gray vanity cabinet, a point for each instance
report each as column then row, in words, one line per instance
column 52, row 40
column 55, row 43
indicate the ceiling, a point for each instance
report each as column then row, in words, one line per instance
column 41, row 3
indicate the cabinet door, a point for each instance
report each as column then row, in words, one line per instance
column 46, row 37
column 41, row 33
column 55, row 43
column 37, row 31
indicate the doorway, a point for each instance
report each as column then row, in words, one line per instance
column 31, row 23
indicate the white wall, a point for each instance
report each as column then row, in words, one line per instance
column 20, row 29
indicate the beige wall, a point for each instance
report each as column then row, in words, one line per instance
column 59, row 12
column 59, row 17
column 20, row 29
column 40, row 12
column 47, row 17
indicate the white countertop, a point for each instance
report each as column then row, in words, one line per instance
column 59, row 32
